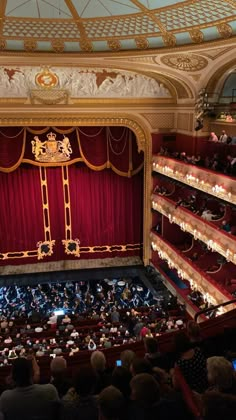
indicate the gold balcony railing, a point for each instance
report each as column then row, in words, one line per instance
column 216, row 239
column 216, row 184
column 213, row 292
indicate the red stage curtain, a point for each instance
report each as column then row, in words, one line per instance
column 21, row 214
column 12, row 146
column 106, row 208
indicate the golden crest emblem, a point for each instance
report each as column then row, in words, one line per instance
column 46, row 79
column 51, row 150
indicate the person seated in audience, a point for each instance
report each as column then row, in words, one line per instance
column 199, row 161
column 223, row 137
column 194, row 334
column 213, row 137
column 226, row 226
column 160, row 190
column 191, row 361
column 58, row 369
column 66, row 320
column 27, row 400
column 207, row 215
column 181, row 202
column 140, row 365
column 218, row 406
column 145, row 395
column 80, row 402
column 111, row 404
column 221, row 375
column 127, row 357
column 183, row 156
column 153, row 355
column 121, row 378
column 230, row 167
column 98, row 363
column 74, row 349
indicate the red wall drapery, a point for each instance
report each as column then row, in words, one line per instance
column 105, row 209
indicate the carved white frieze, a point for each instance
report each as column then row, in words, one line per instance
column 80, row 82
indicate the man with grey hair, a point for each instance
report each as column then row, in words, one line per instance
column 59, row 379
column 98, row 362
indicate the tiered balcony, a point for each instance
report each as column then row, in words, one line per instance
column 189, row 270
column 214, row 183
column 213, row 277
column 215, row 238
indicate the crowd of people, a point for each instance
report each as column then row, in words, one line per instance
column 197, row 202
column 136, row 388
column 73, row 297
column 215, row 162
column 113, row 312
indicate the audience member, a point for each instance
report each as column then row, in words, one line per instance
column 219, row 406
column 153, row 355
column 27, row 400
column 221, row 375
column 191, row 362
column 223, row 137
column 59, row 377
column 79, row 402
column 213, row 137
column 111, row 404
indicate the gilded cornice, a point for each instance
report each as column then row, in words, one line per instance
column 106, row 119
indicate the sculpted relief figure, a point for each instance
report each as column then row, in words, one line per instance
column 80, row 82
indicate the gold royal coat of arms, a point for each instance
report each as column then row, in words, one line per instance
column 51, row 150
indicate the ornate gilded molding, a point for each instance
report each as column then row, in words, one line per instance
column 33, row 119
column 72, row 246
column 185, row 62
column 196, row 36
column 225, row 30
column 82, row 28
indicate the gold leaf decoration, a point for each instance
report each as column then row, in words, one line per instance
column 58, row 45
column 114, row 45
column 30, row 44
column 225, row 30
column 141, row 43
column 86, row 46
column 169, row 39
column 185, row 62
column 196, row 36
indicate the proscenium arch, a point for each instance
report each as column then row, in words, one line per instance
column 217, row 80
column 133, row 122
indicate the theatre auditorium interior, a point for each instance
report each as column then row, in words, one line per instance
column 117, row 209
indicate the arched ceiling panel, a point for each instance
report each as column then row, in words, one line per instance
column 112, row 25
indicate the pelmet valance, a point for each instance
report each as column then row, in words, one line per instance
column 97, row 147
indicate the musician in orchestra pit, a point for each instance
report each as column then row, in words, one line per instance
column 115, row 316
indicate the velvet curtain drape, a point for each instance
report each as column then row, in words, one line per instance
column 98, row 147
column 100, row 208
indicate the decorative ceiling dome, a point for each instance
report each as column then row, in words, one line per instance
column 88, row 26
